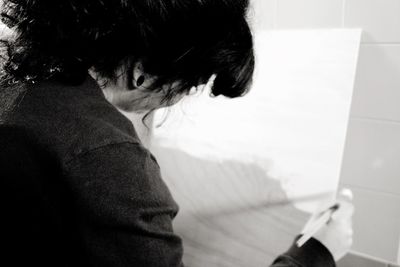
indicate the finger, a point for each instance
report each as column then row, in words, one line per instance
column 346, row 207
column 345, row 194
column 345, row 226
column 316, row 215
column 325, row 202
column 316, row 219
column 345, row 211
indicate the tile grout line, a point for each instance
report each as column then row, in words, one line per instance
column 381, row 43
column 343, row 13
column 369, row 257
column 371, row 119
column 398, row 253
column 275, row 14
column 369, row 189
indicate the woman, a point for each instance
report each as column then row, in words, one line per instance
column 80, row 188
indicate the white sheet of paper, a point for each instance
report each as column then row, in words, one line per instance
column 246, row 172
column 292, row 123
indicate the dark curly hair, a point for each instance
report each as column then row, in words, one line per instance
column 175, row 40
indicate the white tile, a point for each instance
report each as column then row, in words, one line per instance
column 376, row 224
column 380, row 19
column 309, row 13
column 371, row 156
column 262, row 14
column 377, row 84
column 398, row 254
column 355, row 260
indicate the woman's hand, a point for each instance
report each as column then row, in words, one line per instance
column 337, row 235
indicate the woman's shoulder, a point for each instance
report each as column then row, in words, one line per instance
column 69, row 120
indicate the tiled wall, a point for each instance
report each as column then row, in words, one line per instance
column 371, row 165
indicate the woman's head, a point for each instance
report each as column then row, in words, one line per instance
column 176, row 42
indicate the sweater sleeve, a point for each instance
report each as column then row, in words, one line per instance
column 312, row 254
column 125, row 209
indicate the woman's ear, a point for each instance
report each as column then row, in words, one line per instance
column 138, row 75
column 141, row 79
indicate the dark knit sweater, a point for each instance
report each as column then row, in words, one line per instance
column 79, row 189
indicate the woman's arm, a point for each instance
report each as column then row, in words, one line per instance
column 126, row 212
column 125, row 208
